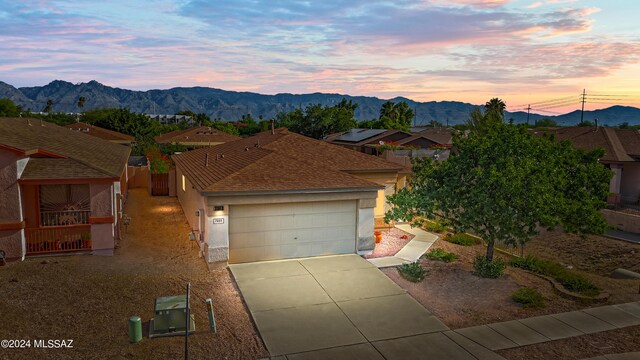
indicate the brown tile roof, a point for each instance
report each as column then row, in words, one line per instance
column 105, row 134
column 441, row 136
column 31, row 136
column 50, row 168
column 278, row 162
column 619, row 144
column 201, row 135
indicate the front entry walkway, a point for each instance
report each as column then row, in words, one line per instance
column 411, row 252
column 337, row 307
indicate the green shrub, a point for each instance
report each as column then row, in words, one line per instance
column 413, row 272
column 463, row 239
column 489, row 269
column 441, row 255
column 570, row 280
column 434, row 226
column 528, row 297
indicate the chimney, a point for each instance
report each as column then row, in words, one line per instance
column 273, row 127
column 596, row 121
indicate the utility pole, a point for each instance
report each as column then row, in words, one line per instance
column 584, row 95
column 528, row 110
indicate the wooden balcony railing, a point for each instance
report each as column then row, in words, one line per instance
column 64, row 218
column 58, row 239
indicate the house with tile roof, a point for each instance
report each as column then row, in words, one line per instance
column 279, row 195
column 622, row 156
column 196, row 137
column 60, row 191
column 105, row 134
column 365, row 140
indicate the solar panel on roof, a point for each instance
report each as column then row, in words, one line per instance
column 356, row 135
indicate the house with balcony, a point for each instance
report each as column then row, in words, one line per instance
column 60, row 191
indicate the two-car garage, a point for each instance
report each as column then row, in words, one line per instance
column 289, row 230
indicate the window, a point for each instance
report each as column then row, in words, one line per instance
column 184, row 183
column 64, row 205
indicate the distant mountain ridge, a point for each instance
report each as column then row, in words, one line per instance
column 231, row 105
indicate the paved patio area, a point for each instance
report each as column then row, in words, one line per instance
column 334, row 306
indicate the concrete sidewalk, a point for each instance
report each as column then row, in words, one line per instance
column 411, row 252
column 515, row 333
column 623, row 235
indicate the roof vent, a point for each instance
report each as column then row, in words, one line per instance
column 246, row 148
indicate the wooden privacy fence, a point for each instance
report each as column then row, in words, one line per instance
column 58, row 239
column 160, row 184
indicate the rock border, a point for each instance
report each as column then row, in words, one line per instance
column 569, row 294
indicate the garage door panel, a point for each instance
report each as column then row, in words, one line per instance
column 246, row 240
column 277, row 231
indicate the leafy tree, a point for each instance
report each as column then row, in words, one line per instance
column 318, row 121
column 546, row 122
column 224, row 126
column 503, row 183
column 585, row 123
column 8, row 108
column 493, row 114
column 371, row 124
column 396, row 115
column 435, row 123
column 48, row 107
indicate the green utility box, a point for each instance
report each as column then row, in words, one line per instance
column 170, row 316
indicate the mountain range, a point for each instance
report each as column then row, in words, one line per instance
column 232, row 105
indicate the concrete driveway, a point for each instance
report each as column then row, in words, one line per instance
column 337, row 307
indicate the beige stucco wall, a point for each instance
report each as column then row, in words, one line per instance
column 387, row 179
column 191, row 201
column 630, row 183
column 11, row 241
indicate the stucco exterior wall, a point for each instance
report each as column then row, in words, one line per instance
column 630, row 183
column 386, row 179
column 102, row 239
column 9, row 188
column 11, row 240
column 30, row 205
column 101, row 202
column 191, row 202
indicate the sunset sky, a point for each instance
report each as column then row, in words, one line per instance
column 531, row 51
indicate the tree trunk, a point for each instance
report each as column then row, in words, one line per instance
column 490, row 250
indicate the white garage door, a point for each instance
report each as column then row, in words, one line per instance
column 290, row 230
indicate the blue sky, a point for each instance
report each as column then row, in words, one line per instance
column 464, row 50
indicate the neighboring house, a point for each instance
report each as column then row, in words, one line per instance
column 60, row 191
column 280, row 195
column 622, row 156
column 105, row 134
column 365, row 140
column 434, row 143
column 196, row 137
